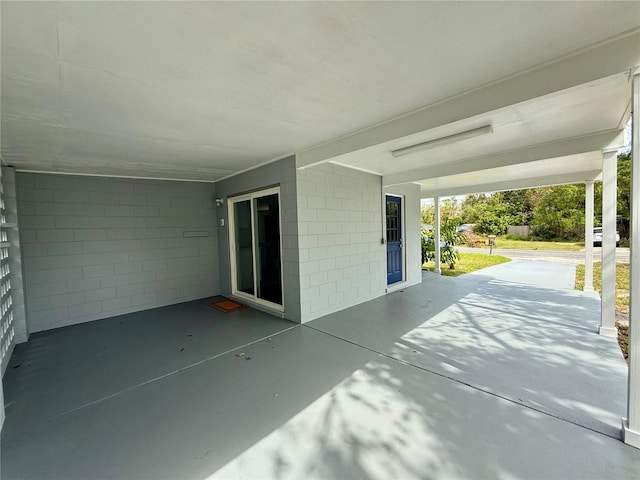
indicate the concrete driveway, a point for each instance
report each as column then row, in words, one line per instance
column 575, row 257
column 542, row 274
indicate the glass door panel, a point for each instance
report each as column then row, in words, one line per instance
column 267, row 240
column 243, row 247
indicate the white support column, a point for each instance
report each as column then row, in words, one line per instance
column 588, row 237
column 436, row 233
column 631, row 424
column 609, row 202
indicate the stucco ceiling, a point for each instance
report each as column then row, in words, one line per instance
column 594, row 107
column 540, row 173
column 205, row 90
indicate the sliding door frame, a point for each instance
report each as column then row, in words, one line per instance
column 231, row 201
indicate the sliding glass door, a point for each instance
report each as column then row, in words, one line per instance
column 254, row 238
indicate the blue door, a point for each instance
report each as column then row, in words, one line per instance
column 394, row 239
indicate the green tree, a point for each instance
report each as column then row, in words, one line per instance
column 492, row 214
column 560, row 214
column 470, row 207
column 624, row 185
column 623, row 206
column 493, row 219
column 449, row 209
column 521, row 203
column 427, row 213
column 554, row 213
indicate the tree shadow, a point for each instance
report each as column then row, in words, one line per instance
column 533, row 345
column 309, row 405
column 389, row 420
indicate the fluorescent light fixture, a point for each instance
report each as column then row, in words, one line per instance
column 438, row 142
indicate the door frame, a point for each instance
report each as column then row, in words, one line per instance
column 399, row 283
column 232, row 247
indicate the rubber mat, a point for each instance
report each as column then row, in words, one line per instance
column 227, row 305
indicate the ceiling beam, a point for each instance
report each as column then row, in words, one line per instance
column 560, row 179
column 571, row 146
column 610, row 58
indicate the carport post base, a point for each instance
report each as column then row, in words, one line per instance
column 608, row 332
column 630, row 437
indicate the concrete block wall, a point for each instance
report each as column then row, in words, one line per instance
column 412, row 230
column 97, row 247
column 342, row 259
column 283, row 174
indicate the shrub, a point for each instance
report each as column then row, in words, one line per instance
column 490, row 219
column 427, row 247
column 450, row 236
column 474, row 240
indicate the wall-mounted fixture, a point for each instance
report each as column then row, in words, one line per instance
column 438, row 142
column 219, row 202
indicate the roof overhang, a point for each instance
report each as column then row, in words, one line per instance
column 549, row 126
column 554, row 171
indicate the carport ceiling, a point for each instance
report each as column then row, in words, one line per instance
column 541, row 173
column 205, row 90
column 549, row 140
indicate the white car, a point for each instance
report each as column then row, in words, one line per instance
column 597, row 237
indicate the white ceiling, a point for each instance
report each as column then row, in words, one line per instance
column 540, row 173
column 587, row 109
column 204, row 90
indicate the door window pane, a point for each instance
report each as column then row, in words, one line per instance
column 267, row 232
column 244, row 246
column 393, row 234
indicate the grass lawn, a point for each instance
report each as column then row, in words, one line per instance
column 622, row 282
column 502, row 242
column 469, row 262
column 481, row 241
column 622, row 298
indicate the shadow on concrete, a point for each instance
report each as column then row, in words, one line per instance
column 451, row 379
column 390, row 420
column 308, row 405
column 533, row 345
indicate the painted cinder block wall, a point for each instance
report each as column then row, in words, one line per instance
column 341, row 226
column 342, row 259
column 98, row 247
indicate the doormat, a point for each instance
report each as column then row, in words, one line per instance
column 227, row 305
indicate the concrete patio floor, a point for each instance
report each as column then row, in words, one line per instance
column 517, row 330
column 475, row 377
